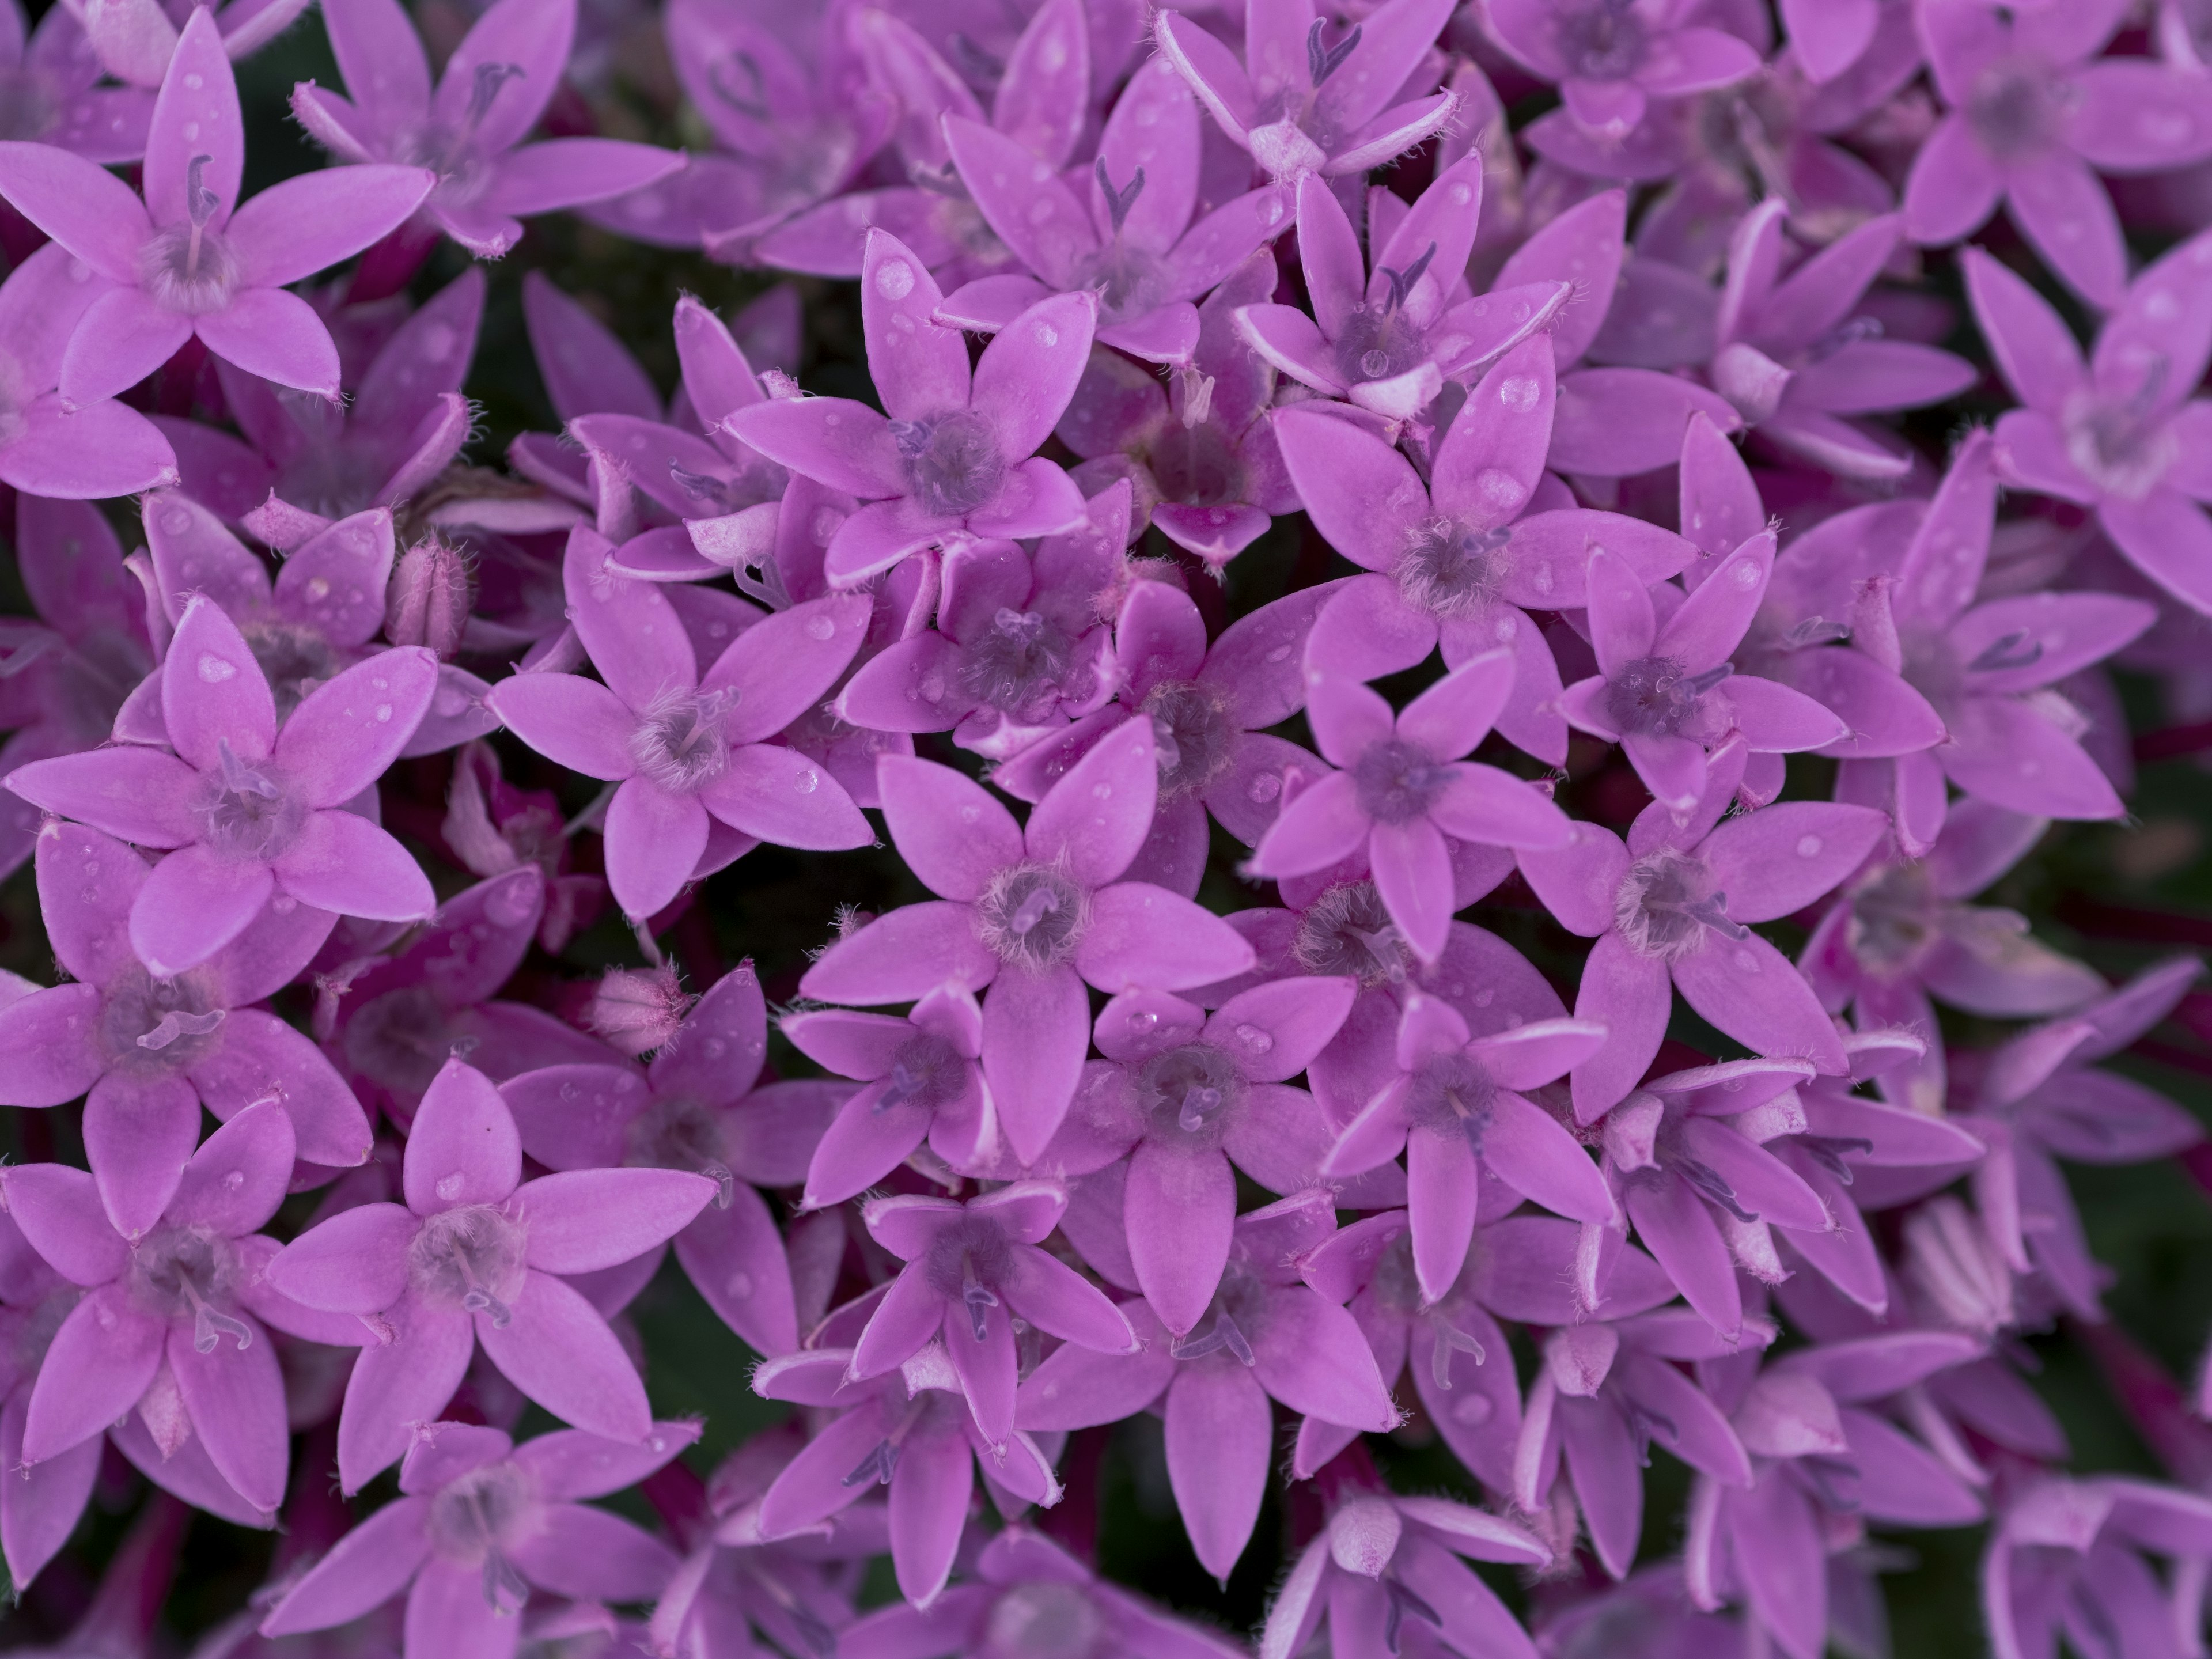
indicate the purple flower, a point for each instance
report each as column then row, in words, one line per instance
column 1187, row 1095
column 954, row 459
column 1610, row 57
column 152, row 1050
column 2123, row 435
column 254, row 811
column 1301, row 102
column 909, row 1431
column 1455, row 560
column 1034, row 911
column 136, row 41
column 180, row 264
column 922, row 1077
column 1389, row 342
column 58, row 73
column 2067, row 1558
column 1672, row 903
column 466, row 132
column 1383, row 1564
column 1667, row 690
column 477, row 1254
column 1268, row 1336
column 1131, row 229
column 479, row 1521
column 168, row 1326
column 697, row 1108
column 1798, row 358
column 971, row 1270
column 699, row 784
column 1404, row 789
column 2031, row 117
column 1456, row 1107
column 1031, row 1591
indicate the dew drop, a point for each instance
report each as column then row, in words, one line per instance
column 1808, row 845
column 383, row 713
column 740, row 1285
column 1471, row 1409
column 807, row 782
column 1519, row 393
column 820, row 628
column 1253, row 1037
column 895, row 279
column 449, row 1187
column 216, row 670
column 1265, row 787
column 1047, row 335
column 1280, row 654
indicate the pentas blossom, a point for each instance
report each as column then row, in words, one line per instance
column 191, row 260
column 255, row 812
column 2068, row 1557
column 466, row 133
column 477, row 1254
column 1611, row 58
column 953, row 458
column 60, row 74
column 2120, row 434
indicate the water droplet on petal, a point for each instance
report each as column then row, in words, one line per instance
column 895, row 279
column 1253, row 1037
column 449, row 1187
column 1808, row 847
column 216, row 670
column 820, row 628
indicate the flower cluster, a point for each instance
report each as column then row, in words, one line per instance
column 1308, row 846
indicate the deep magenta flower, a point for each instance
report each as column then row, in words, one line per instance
column 954, row 456
column 2124, row 434
column 477, row 1254
column 191, row 259
column 463, row 135
column 1671, row 905
column 254, row 811
column 153, row 1050
column 971, row 1270
column 2034, row 115
column 169, row 1327
column 1404, row 789
column 1033, row 912
column 1303, row 102
column 689, row 751
column 479, row 1521
column 2067, row 1557
column 1611, row 58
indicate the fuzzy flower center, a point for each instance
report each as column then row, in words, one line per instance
column 966, row 1263
column 400, row 1039
column 2016, row 107
column 1379, row 339
column 245, row 812
column 1347, row 930
column 452, row 152
column 481, row 1517
column 926, row 1072
column 189, row 267
column 1023, row 665
column 1603, row 42
column 1129, row 280
column 952, row 462
column 153, row 1027
column 185, row 1273
column 470, row 1258
column 1450, row 568
column 1189, row 1094
column 294, row 659
column 1656, row 696
column 2123, row 443
column 1666, row 903
column 678, row 741
column 1893, row 918
column 1195, row 734
column 677, row 1132
column 1195, row 464
column 1032, row 916
column 1044, row 1621
column 1397, row 781
column 1231, row 1320
column 1451, row 1094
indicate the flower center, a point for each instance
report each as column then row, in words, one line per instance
column 926, row 1072
column 1604, row 42
column 1195, row 464
column 178, row 1273
column 1347, row 930
column 335, row 480
column 1450, row 568
column 296, row 659
column 470, row 1258
column 452, row 152
column 1235, row 1316
column 2015, row 107
column 1665, row 904
column 1379, row 339
column 159, row 1027
column 1194, row 735
column 1397, row 781
column 1043, row 1621
column 2123, row 443
column 400, row 1039
column 478, row 1518
column 1188, row 1094
column 1893, row 918
column 678, row 743
column 1032, row 916
column 1451, row 1095
column 952, row 461
column 189, row 267
column 1656, row 696
column 676, row 1132
column 969, row 1261
column 244, row 812
column 1023, row 665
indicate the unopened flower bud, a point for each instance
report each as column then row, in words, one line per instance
column 638, row 1010
column 429, row 601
